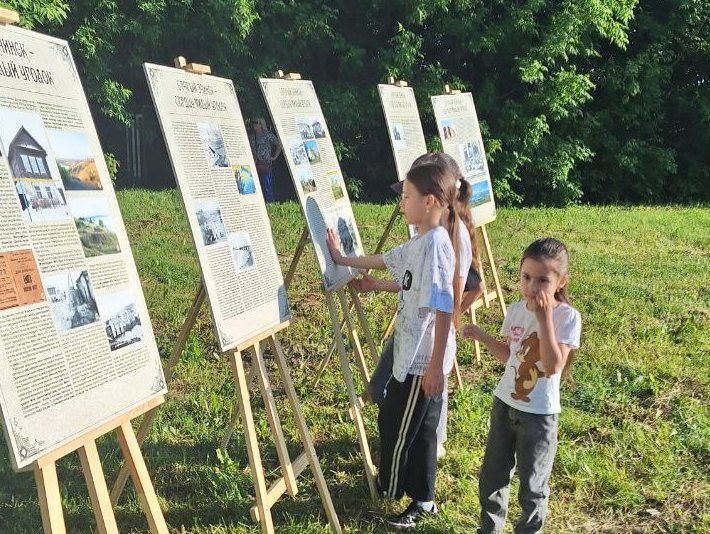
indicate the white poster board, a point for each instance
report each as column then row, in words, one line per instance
column 315, row 170
column 404, row 127
column 76, row 343
column 461, row 139
column 213, row 164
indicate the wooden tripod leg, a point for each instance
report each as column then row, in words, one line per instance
column 175, row 355
column 50, row 500
column 390, row 328
column 491, row 260
column 98, row 491
column 476, row 344
column 357, row 303
column 274, row 422
column 354, row 339
column 305, row 434
column 235, row 416
column 323, row 365
column 352, row 395
column 296, row 257
column 457, row 371
column 141, row 479
column 257, row 470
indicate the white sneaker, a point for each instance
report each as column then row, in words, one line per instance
column 440, row 451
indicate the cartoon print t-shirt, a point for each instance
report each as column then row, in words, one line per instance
column 424, row 269
column 524, row 385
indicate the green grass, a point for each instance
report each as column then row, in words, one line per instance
column 634, row 432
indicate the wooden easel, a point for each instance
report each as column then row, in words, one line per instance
column 45, row 468
column 45, row 472
column 265, row 497
column 348, row 323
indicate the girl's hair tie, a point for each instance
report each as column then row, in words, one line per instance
column 458, row 183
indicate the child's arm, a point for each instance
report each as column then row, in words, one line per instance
column 499, row 349
column 469, row 297
column 433, row 381
column 359, row 262
column 370, row 283
column 553, row 355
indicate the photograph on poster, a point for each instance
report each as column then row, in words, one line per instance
column 481, row 193
column 75, row 159
column 447, row 127
column 305, row 128
column 72, row 299
column 213, row 144
column 242, row 253
column 20, row 281
column 33, row 168
column 97, row 231
column 318, row 129
column 120, row 316
column 312, row 151
column 284, row 311
column 245, row 179
column 298, row 152
column 307, row 180
column 341, row 221
column 398, row 139
column 337, row 186
column 210, row 221
column 472, row 157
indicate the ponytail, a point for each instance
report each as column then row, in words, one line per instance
column 463, row 198
column 453, row 229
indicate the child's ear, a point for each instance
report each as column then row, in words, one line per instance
column 562, row 282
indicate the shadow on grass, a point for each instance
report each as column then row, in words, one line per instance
column 199, row 488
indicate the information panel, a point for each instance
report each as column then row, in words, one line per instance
column 315, row 170
column 76, row 343
column 461, row 138
column 215, row 171
column 403, row 126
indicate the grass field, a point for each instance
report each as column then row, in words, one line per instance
column 634, row 433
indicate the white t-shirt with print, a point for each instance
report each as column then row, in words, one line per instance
column 524, row 385
column 424, row 269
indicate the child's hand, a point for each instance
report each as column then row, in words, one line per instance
column 472, row 331
column 542, row 306
column 333, row 242
column 433, row 382
column 366, row 283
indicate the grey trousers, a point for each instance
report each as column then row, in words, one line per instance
column 526, row 441
column 382, row 375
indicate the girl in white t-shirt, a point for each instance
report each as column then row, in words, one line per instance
column 541, row 332
column 424, row 342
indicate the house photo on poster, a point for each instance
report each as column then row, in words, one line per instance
column 209, row 218
column 120, row 316
column 72, row 299
column 34, row 170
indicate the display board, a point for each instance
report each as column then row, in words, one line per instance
column 461, row 138
column 315, row 170
column 215, row 171
column 76, row 343
column 404, row 126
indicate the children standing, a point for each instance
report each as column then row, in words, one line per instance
column 424, row 340
column 467, row 284
column 541, row 331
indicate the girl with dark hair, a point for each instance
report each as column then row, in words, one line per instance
column 542, row 331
